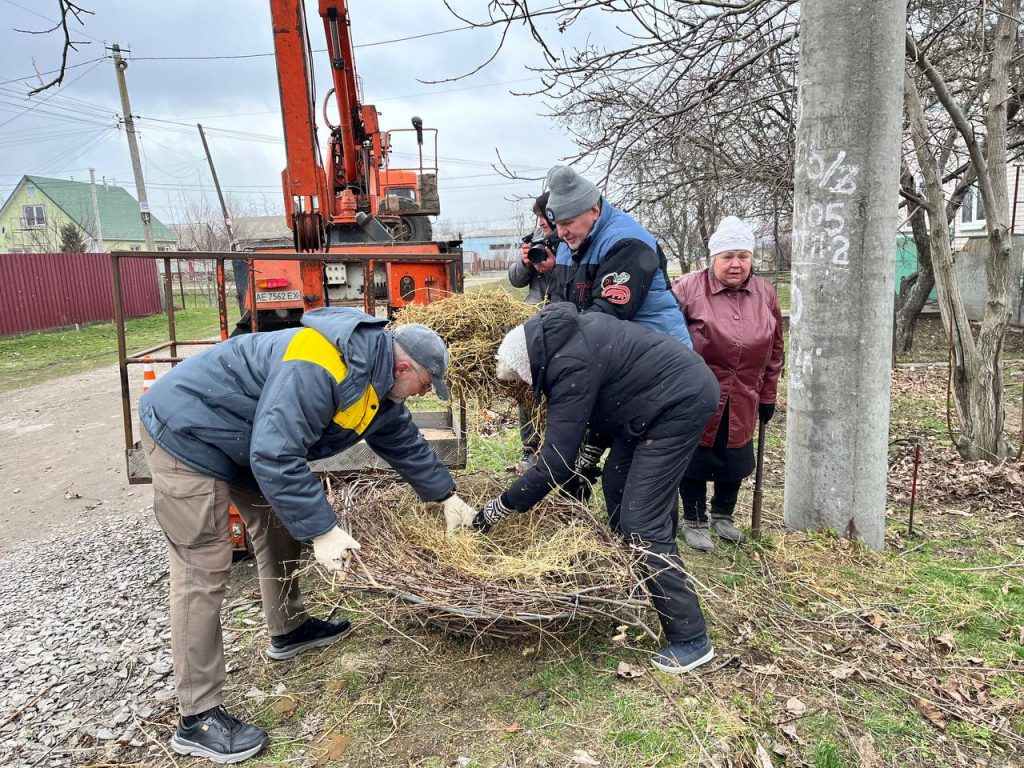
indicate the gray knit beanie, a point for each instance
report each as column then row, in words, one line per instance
column 570, row 194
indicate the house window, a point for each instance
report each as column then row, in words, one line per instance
column 972, row 211
column 164, row 248
column 134, row 247
column 35, row 216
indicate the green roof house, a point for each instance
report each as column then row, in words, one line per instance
column 35, row 218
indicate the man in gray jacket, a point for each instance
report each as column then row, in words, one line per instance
column 238, row 424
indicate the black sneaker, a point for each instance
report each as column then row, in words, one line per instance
column 218, row 736
column 676, row 658
column 312, row 633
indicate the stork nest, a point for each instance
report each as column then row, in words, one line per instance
column 544, row 571
column 472, row 325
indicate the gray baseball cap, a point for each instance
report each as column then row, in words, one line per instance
column 426, row 348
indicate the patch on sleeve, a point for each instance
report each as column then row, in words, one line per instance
column 614, row 288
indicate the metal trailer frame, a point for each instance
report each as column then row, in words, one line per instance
column 451, row 447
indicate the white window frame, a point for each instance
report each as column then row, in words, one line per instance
column 972, row 211
column 35, row 223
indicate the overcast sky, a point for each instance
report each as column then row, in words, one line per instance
column 67, row 130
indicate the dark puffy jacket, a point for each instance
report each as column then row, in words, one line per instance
column 608, row 375
column 268, row 402
column 619, row 269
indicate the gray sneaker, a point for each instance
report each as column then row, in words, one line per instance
column 697, row 536
column 724, row 527
column 529, row 461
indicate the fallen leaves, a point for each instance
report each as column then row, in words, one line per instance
column 795, row 707
column 329, row 747
column 284, row 705
column 931, row 713
column 582, row 757
column 629, row 671
column 874, row 618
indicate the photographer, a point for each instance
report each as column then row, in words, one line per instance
column 535, row 270
column 536, row 273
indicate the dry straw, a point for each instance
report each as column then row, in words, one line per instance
column 542, row 571
column 473, row 325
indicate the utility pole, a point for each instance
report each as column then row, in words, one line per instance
column 844, row 244
column 216, row 184
column 120, row 65
column 97, row 233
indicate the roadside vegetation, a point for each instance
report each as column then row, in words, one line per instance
column 33, row 358
column 828, row 655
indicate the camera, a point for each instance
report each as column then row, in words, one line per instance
column 538, row 252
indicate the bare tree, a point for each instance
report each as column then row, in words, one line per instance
column 976, row 368
column 67, row 8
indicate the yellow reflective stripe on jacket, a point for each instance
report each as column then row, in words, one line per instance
column 358, row 416
column 312, row 347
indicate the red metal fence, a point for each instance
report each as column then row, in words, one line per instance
column 55, row 290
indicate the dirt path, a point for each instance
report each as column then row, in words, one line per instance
column 62, row 459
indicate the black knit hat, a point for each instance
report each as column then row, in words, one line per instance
column 540, row 207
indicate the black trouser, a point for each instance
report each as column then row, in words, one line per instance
column 640, row 482
column 528, row 431
column 695, row 498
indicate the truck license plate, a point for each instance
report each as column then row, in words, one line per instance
column 266, row 296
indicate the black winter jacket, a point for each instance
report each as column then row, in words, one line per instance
column 598, row 372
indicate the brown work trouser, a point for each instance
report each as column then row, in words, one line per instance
column 192, row 510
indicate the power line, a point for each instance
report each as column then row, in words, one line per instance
column 52, row 95
column 53, row 71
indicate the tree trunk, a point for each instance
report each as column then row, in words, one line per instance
column 977, row 378
column 916, row 289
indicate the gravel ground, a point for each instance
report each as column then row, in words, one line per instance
column 84, row 646
column 85, row 661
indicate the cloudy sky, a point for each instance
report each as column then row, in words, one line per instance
column 173, row 84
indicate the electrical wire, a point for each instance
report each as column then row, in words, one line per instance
column 55, row 93
column 53, row 71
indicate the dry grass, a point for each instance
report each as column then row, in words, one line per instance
column 543, row 571
column 473, row 325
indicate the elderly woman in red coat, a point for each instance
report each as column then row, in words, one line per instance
column 736, row 326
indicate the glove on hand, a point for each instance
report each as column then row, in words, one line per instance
column 588, row 458
column 492, row 512
column 765, row 411
column 457, row 513
column 333, row 549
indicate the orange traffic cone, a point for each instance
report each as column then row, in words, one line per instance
column 148, row 374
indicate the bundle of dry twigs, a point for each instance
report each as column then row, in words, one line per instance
column 473, row 325
column 542, row 571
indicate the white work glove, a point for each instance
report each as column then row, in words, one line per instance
column 457, row 513
column 334, row 549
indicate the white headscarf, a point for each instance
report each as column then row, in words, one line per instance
column 513, row 357
column 733, row 234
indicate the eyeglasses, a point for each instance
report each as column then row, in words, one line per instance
column 425, row 385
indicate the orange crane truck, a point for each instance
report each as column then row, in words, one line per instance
column 361, row 204
column 359, row 231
